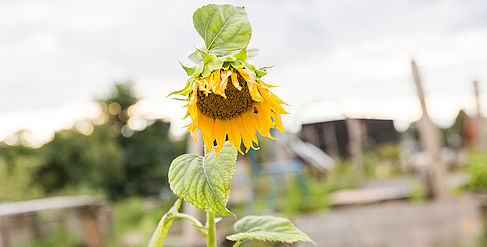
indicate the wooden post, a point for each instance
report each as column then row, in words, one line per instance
column 355, row 134
column 92, row 236
column 430, row 138
column 4, row 238
column 480, row 141
column 191, row 235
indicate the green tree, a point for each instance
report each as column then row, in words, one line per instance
column 146, row 153
column 459, row 125
column 115, row 158
column 72, row 159
column 17, row 166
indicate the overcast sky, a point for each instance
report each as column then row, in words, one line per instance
column 329, row 57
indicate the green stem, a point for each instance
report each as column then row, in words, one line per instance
column 195, row 221
column 189, row 217
column 158, row 237
column 210, row 225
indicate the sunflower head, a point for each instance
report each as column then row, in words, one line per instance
column 231, row 104
column 227, row 99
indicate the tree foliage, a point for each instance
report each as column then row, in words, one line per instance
column 114, row 158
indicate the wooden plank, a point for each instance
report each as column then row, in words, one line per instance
column 369, row 195
column 53, row 203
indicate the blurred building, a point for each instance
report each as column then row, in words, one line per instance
column 333, row 137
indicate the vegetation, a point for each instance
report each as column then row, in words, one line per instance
column 110, row 158
column 60, row 237
column 114, row 158
column 17, row 166
column 135, row 219
column 477, row 171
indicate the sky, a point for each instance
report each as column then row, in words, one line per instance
column 331, row 58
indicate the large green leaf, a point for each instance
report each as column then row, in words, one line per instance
column 267, row 228
column 224, row 28
column 204, row 182
column 157, row 238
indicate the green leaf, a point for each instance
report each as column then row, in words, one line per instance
column 267, row 228
column 204, row 182
column 184, row 99
column 196, row 57
column 262, row 71
column 251, row 53
column 187, row 89
column 241, row 55
column 210, row 63
column 245, row 54
column 188, row 70
column 226, row 65
column 224, row 28
column 236, row 64
column 210, row 60
column 158, row 237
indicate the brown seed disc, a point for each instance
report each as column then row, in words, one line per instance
column 236, row 103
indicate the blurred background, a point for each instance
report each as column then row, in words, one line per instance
column 386, row 143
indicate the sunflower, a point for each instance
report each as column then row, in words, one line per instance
column 231, row 104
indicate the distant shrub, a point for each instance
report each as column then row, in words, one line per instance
column 477, row 171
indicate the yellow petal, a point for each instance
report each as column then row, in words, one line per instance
column 234, row 136
column 247, row 134
column 194, row 134
column 206, row 127
column 220, row 132
column 277, row 119
column 254, row 91
column 235, row 81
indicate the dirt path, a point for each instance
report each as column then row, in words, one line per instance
column 456, row 222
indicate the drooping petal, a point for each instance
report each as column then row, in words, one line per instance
column 254, row 91
column 235, row 81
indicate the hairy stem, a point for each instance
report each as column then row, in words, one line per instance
column 210, row 225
